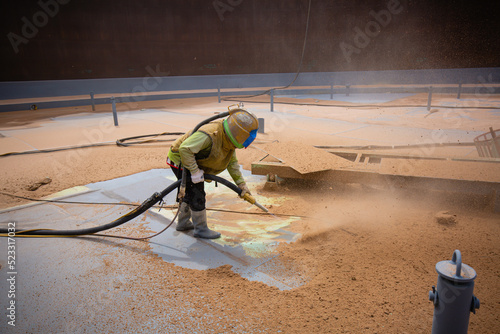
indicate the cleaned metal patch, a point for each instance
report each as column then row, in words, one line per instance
column 248, row 242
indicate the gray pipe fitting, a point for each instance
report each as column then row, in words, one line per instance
column 453, row 297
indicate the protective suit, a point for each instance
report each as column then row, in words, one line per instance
column 209, row 150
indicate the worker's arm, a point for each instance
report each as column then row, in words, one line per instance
column 234, row 170
column 194, row 144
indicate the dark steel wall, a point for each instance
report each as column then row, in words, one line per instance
column 79, row 39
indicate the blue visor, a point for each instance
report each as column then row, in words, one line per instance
column 250, row 138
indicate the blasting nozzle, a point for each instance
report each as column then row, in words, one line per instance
column 250, row 199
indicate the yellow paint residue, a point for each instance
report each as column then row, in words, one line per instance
column 257, row 235
column 68, row 192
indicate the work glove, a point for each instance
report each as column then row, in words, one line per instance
column 244, row 188
column 197, row 177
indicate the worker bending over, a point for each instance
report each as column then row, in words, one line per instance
column 209, row 150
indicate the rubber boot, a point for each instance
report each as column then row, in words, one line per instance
column 183, row 222
column 201, row 229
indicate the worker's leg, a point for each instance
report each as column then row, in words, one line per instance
column 183, row 219
column 201, row 229
column 198, row 211
column 195, row 192
column 195, row 198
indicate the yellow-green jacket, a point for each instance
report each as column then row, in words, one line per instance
column 208, row 149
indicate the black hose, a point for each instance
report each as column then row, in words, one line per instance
column 121, row 142
column 50, row 150
column 155, row 198
column 225, row 182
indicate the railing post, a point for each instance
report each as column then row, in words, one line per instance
column 429, row 99
column 272, row 99
column 115, row 115
column 92, row 100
